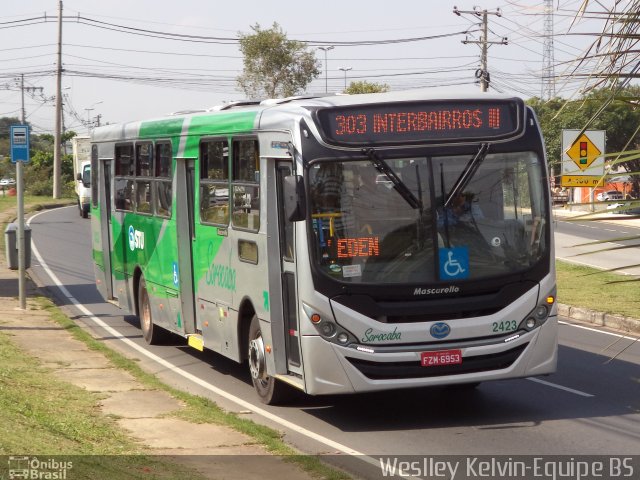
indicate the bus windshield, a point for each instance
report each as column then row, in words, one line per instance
column 476, row 216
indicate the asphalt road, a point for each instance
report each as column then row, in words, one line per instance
column 571, row 235
column 590, row 406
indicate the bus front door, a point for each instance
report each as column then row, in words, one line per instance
column 106, row 227
column 185, row 231
column 288, row 276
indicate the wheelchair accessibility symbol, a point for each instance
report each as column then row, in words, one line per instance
column 454, row 263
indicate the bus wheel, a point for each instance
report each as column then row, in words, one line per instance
column 270, row 390
column 151, row 333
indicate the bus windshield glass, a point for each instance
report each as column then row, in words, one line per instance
column 476, row 216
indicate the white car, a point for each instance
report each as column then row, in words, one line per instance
column 7, row 181
column 609, row 195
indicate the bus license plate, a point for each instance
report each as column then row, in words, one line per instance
column 444, row 357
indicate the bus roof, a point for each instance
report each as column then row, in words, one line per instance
column 250, row 115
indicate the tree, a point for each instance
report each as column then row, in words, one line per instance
column 366, row 87
column 618, row 117
column 613, row 62
column 273, row 65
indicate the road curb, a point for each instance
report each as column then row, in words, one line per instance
column 601, row 319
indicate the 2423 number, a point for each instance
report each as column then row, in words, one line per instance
column 505, row 326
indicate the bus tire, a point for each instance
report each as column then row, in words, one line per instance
column 84, row 211
column 270, row 390
column 152, row 333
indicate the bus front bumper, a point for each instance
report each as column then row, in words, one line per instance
column 339, row 369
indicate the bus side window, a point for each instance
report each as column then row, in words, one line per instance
column 162, row 180
column 214, row 182
column 124, row 178
column 246, row 184
column 144, row 168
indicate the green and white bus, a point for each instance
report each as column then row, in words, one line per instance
column 337, row 244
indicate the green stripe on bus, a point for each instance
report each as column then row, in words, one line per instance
column 161, row 128
column 216, row 124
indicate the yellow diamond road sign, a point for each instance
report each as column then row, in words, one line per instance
column 583, row 152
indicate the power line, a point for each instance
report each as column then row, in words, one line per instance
column 92, row 22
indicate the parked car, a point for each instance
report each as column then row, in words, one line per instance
column 7, row 181
column 382, row 179
column 609, row 195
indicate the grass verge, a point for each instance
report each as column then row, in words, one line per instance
column 39, row 415
column 199, row 409
column 597, row 290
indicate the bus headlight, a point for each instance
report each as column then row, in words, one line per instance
column 539, row 314
column 327, row 328
column 343, row 338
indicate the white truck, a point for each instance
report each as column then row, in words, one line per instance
column 81, row 151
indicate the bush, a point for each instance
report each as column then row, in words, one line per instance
column 42, row 187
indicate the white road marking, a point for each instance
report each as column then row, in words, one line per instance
column 613, row 334
column 198, row 381
column 560, row 387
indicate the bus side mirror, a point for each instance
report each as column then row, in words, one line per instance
column 295, row 208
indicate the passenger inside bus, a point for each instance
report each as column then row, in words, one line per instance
column 462, row 209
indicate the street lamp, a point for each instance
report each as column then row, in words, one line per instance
column 345, row 70
column 325, row 50
column 88, row 110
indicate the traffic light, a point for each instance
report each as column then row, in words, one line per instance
column 583, row 153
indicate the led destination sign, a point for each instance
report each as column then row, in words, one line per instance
column 401, row 123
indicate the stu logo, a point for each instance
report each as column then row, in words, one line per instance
column 136, row 239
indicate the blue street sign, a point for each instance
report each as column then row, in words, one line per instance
column 19, row 143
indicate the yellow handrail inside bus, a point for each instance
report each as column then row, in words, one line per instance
column 331, row 216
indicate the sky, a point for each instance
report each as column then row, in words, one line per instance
column 139, row 59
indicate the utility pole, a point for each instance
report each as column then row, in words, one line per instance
column 483, row 72
column 325, row 50
column 548, row 61
column 26, row 89
column 24, row 113
column 57, row 160
column 345, row 70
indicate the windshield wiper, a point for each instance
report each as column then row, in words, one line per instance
column 467, row 174
column 384, row 168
